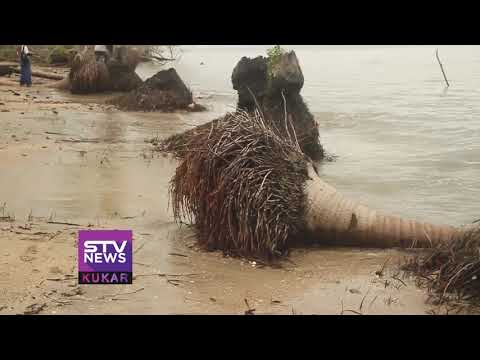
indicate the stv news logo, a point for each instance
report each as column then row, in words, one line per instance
column 105, row 257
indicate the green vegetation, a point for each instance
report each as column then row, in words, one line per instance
column 274, row 55
column 61, row 54
column 8, row 53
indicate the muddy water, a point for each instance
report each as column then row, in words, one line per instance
column 94, row 168
column 405, row 144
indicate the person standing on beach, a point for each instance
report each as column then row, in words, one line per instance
column 25, row 66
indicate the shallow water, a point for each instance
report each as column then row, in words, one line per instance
column 109, row 178
column 404, row 142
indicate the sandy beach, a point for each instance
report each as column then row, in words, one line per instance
column 71, row 162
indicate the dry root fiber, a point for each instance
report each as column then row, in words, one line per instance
column 306, row 130
column 178, row 144
column 451, row 270
column 243, row 184
column 87, row 75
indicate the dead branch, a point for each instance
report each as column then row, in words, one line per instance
column 441, row 67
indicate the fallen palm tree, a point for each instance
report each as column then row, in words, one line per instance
column 165, row 91
column 272, row 84
column 251, row 191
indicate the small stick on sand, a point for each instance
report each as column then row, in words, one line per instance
column 441, row 67
column 63, row 223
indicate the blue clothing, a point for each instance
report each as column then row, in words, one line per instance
column 25, row 70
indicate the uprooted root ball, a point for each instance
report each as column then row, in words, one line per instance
column 243, row 184
column 87, row 75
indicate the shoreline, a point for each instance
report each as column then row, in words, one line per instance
column 71, row 158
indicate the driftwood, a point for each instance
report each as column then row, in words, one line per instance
column 43, row 75
column 63, row 223
column 8, row 69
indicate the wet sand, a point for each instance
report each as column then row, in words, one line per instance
column 71, row 159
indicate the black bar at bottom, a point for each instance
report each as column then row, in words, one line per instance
column 104, row 278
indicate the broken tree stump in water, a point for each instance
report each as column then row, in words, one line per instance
column 275, row 89
column 275, row 92
column 165, row 91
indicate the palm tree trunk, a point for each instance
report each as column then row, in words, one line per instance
column 332, row 218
